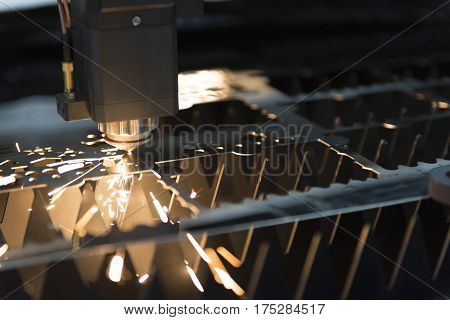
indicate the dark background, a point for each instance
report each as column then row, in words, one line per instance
column 243, row 34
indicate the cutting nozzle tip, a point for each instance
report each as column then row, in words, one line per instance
column 128, row 146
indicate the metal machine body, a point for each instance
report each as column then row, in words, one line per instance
column 125, row 65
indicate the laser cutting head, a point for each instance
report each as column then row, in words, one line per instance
column 124, row 65
column 130, row 134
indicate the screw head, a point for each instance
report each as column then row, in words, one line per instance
column 136, row 21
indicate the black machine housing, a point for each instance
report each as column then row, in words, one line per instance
column 125, row 59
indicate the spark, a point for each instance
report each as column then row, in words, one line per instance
column 143, row 278
column 195, row 279
column 235, row 262
column 17, row 147
column 4, row 181
column 116, row 267
column 70, row 167
column 112, row 182
column 72, row 181
column 156, row 174
column 199, row 249
column 389, row 125
column 221, row 274
column 44, row 161
column 72, row 161
column 121, row 185
column 120, row 204
column 228, row 282
column 111, row 213
column 162, row 214
column 193, row 194
column 3, row 249
column 4, row 162
column 121, row 199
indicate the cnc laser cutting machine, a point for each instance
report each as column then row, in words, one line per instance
column 241, row 149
